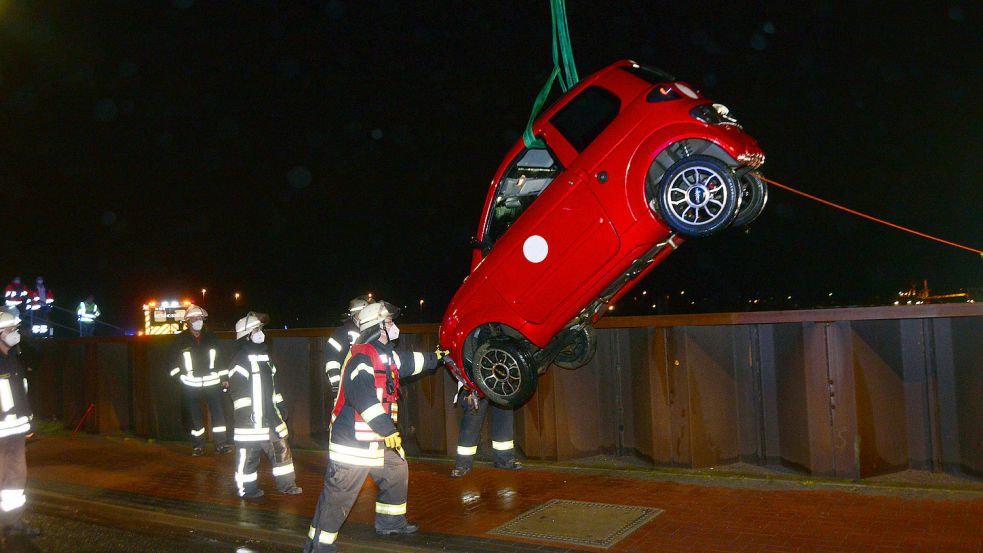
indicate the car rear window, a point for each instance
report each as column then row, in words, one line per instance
column 650, row 75
column 586, row 116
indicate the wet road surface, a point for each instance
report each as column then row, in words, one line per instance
column 82, row 532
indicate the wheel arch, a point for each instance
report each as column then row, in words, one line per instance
column 659, row 151
column 473, row 339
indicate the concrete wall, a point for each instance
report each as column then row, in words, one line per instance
column 843, row 393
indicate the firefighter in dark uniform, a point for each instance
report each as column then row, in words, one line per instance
column 364, row 438
column 260, row 413
column 341, row 341
column 15, row 425
column 196, row 351
column 503, row 447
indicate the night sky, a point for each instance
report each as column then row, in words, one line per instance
column 302, row 153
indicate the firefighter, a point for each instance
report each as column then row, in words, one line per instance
column 260, row 413
column 15, row 294
column 503, row 447
column 195, row 364
column 41, row 300
column 364, row 438
column 87, row 312
column 341, row 341
column 15, row 424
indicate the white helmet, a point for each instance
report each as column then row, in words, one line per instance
column 9, row 318
column 246, row 325
column 195, row 311
column 372, row 315
column 358, row 304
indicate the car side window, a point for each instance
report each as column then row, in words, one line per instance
column 585, row 117
column 533, row 170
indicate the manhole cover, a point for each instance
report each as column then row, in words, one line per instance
column 578, row 522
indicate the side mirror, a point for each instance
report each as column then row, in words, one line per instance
column 476, row 244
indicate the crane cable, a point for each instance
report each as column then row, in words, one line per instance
column 868, row 217
column 564, row 69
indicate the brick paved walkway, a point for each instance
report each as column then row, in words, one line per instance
column 719, row 515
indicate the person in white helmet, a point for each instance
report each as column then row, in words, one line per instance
column 341, row 341
column 260, row 413
column 15, row 424
column 196, row 365
column 364, row 438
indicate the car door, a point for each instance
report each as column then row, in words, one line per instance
column 542, row 258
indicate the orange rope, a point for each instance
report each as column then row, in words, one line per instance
column 865, row 216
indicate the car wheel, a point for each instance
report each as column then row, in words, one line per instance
column 582, row 343
column 754, row 196
column 697, row 196
column 502, row 370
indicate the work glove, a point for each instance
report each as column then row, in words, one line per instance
column 394, row 441
column 468, row 399
column 440, row 353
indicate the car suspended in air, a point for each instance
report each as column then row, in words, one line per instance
column 628, row 164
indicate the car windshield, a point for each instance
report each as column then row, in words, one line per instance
column 532, row 172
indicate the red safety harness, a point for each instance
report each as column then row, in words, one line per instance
column 363, row 431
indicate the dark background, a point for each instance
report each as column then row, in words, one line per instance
column 304, row 152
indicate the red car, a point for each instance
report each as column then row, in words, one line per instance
column 631, row 163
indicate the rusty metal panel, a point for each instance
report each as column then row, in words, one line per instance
column 748, row 397
column 607, row 377
column 45, row 381
column 113, row 399
column 818, row 400
column 636, row 350
column 577, row 410
column 765, row 344
column 165, row 412
column 651, row 388
column 843, row 400
column 140, row 392
column 967, row 348
column 921, row 424
column 948, row 396
column 292, row 358
column 678, row 379
column 709, row 408
column 424, row 408
column 536, row 430
column 879, row 397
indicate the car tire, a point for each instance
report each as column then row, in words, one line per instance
column 698, row 196
column 754, row 196
column 503, row 371
column 580, row 349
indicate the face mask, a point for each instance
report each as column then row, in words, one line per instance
column 393, row 332
column 258, row 337
column 196, row 325
column 12, row 339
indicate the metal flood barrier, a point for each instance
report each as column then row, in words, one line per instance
column 843, row 393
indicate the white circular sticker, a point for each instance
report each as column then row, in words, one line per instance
column 535, row 248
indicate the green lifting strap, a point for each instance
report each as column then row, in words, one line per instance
column 564, row 69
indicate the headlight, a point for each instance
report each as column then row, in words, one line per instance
column 713, row 114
